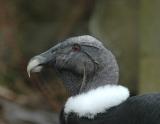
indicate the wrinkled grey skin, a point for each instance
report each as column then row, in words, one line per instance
column 99, row 63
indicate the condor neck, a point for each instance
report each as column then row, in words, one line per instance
column 107, row 75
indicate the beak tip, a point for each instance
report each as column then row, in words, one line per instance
column 29, row 75
column 28, row 71
column 34, row 65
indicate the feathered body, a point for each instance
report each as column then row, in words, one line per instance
column 135, row 110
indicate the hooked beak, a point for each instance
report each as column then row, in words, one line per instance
column 36, row 63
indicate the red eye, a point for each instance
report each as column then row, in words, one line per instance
column 76, row 48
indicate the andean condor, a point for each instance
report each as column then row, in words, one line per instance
column 90, row 72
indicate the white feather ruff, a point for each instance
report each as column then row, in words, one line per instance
column 96, row 101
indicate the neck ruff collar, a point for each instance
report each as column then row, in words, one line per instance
column 96, row 101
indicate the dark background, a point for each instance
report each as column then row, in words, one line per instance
column 130, row 28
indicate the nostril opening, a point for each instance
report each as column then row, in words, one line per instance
column 52, row 51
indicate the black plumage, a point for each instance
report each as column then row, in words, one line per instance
column 135, row 110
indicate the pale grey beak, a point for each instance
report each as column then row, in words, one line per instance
column 35, row 64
